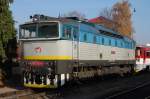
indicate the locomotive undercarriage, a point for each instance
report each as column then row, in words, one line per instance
column 52, row 74
column 88, row 72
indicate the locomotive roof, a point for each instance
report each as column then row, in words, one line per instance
column 61, row 19
column 101, row 28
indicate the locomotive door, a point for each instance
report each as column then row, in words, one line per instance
column 75, row 43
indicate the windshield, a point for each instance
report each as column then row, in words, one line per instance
column 39, row 30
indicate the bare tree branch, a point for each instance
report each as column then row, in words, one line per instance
column 74, row 14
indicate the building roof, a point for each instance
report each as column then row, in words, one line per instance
column 98, row 19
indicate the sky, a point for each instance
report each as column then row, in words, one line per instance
column 22, row 9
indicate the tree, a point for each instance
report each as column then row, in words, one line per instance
column 74, row 14
column 106, row 18
column 121, row 13
column 107, row 13
column 11, row 1
column 7, row 31
column 118, row 18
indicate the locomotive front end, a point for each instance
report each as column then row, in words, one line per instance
column 39, row 53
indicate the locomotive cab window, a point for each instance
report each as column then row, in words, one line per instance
column 48, row 30
column 28, row 31
column 39, row 30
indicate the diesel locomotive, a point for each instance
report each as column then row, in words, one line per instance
column 56, row 50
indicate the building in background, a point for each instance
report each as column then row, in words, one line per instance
column 102, row 21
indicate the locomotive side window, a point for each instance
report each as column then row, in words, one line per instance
column 121, row 44
column 116, row 43
column 103, row 41
column 75, row 33
column 85, row 37
column 94, row 39
column 109, row 42
column 67, row 32
column 138, row 52
column 148, row 54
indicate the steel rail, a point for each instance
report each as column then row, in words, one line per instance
column 129, row 91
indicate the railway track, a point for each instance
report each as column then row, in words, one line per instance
column 141, row 91
column 41, row 95
column 90, row 90
column 60, row 93
column 34, row 96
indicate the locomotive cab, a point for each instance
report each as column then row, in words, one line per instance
column 43, row 50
